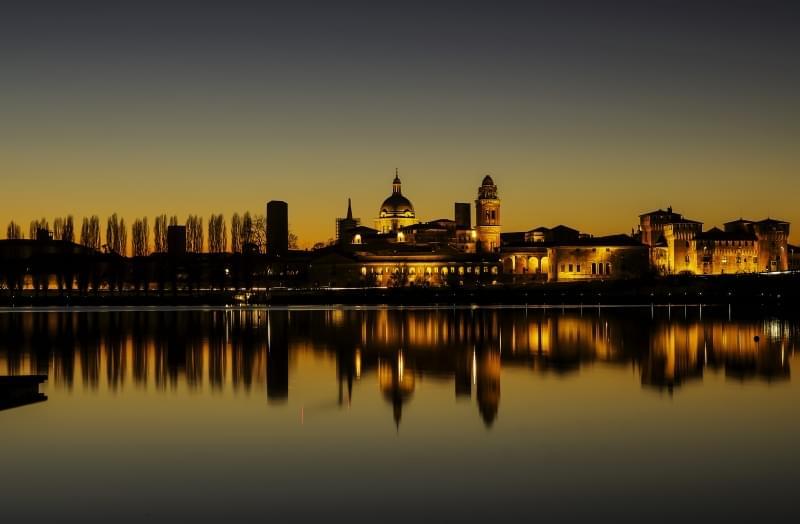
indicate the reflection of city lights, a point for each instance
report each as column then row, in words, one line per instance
column 358, row 363
column 400, row 366
column 474, row 368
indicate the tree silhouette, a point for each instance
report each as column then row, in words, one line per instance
column 140, row 237
column 90, row 232
column 194, row 234
column 160, row 234
column 68, row 233
column 58, row 228
column 246, row 233
column 116, row 235
column 63, row 229
column 236, row 233
column 258, row 233
column 36, row 225
column 217, row 239
column 13, row 231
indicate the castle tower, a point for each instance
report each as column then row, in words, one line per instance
column 487, row 215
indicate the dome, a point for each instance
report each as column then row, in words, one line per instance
column 487, row 181
column 397, row 205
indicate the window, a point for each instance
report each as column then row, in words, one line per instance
column 594, row 268
column 724, row 260
column 570, row 268
column 687, row 259
column 578, row 269
column 563, row 268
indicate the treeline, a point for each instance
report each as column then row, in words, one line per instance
column 247, row 231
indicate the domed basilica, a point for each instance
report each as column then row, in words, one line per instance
column 396, row 211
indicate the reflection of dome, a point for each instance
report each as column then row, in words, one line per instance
column 396, row 384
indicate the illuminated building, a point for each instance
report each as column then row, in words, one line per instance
column 487, row 216
column 669, row 236
column 772, row 237
column 717, row 252
column 582, row 258
column 396, row 211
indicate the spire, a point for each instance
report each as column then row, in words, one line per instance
column 396, row 183
column 349, row 210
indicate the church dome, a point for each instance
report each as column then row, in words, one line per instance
column 396, row 205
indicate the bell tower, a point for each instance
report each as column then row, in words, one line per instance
column 487, row 216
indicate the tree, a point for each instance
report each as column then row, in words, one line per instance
column 36, row 225
column 90, row 232
column 246, row 233
column 63, row 229
column 68, row 233
column 116, row 235
column 140, row 237
column 58, row 228
column 160, row 234
column 194, row 234
column 236, row 233
column 292, row 240
column 217, row 239
column 258, row 233
column 13, row 231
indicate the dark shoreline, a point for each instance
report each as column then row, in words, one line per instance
column 772, row 291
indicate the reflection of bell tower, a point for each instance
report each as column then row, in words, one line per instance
column 487, row 386
column 487, row 215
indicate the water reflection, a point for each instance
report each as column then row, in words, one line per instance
column 252, row 350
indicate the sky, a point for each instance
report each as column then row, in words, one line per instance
column 585, row 114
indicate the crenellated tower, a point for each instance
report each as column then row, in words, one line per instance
column 487, row 215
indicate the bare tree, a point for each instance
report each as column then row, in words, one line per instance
column 64, row 229
column 217, row 239
column 122, row 236
column 246, row 233
column 292, row 240
column 140, row 237
column 36, row 225
column 68, row 234
column 236, row 233
column 13, row 231
column 173, row 220
column 194, row 234
column 160, row 234
column 258, row 234
column 90, row 232
column 58, row 228
column 116, row 235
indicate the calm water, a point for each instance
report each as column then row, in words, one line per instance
column 396, row 414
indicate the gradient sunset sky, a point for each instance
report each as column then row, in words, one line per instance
column 585, row 114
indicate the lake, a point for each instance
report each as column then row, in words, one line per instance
column 390, row 414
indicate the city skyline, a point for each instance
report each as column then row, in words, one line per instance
column 585, row 116
column 306, row 243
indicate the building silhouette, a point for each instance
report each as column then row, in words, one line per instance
column 277, row 227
